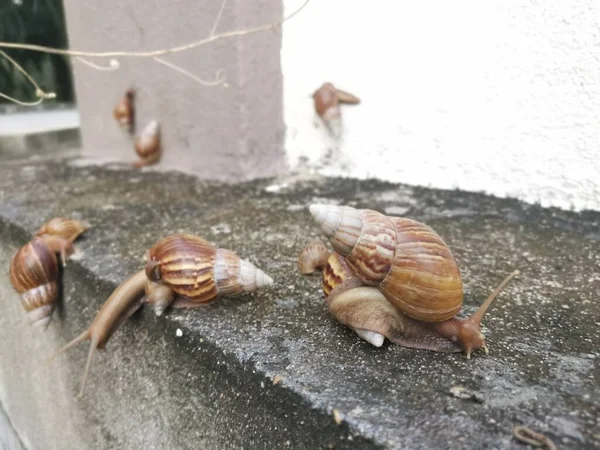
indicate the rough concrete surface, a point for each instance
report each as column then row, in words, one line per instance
column 213, row 387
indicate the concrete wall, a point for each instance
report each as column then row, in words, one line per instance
column 228, row 132
column 501, row 97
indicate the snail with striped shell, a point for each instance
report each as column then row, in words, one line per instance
column 182, row 271
column 327, row 101
column 34, row 268
column 395, row 278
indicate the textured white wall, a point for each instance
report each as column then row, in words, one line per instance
column 500, row 96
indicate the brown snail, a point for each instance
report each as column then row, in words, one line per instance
column 34, row 275
column 59, row 234
column 182, row 271
column 34, row 268
column 148, row 145
column 327, row 101
column 124, row 111
column 394, row 277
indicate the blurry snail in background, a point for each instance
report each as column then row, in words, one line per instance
column 60, row 233
column 395, row 278
column 182, row 271
column 148, row 145
column 34, row 268
column 327, row 101
column 124, row 112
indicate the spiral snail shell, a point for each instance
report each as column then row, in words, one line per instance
column 327, row 101
column 148, row 145
column 59, row 234
column 34, row 275
column 395, row 277
column 198, row 271
column 124, row 111
column 183, row 271
column 34, row 267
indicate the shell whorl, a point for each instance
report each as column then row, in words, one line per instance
column 424, row 282
column 234, row 275
column 366, row 238
column 341, row 224
column 199, row 271
column 34, row 274
column 336, row 271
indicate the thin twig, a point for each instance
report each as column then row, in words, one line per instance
column 218, row 19
column 112, row 65
column 219, row 76
column 39, row 92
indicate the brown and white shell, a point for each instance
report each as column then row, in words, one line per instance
column 148, row 145
column 199, row 271
column 406, row 260
column 34, row 274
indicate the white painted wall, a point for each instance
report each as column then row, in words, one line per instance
column 499, row 96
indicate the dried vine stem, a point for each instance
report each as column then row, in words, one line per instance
column 39, row 92
column 153, row 54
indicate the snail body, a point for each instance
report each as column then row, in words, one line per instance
column 124, row 111
column 396, row 277
column 34, row 275
column 327, row 101
column 148, row 145
column 183, row 271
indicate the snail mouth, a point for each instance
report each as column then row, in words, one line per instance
column 470, row 337
column 153, row 270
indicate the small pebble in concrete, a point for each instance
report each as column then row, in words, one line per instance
column 465, row 394
column 337, row 418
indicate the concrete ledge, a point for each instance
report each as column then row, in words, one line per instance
column 213, row 386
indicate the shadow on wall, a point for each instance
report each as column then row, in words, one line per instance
column 39, row 22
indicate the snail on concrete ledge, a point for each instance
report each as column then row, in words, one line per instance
column 182, row 271
column 395, row 278
column 34, row 267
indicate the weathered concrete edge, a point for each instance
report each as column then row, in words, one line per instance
column 313, row 423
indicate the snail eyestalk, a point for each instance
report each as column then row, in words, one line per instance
column 469, row 330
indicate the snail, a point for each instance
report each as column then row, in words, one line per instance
column 395, row 278
column 124, row 112
column 182, row 271
column 59, row 234
column 327, row 99
column 34, row 268
column 148, row 145
column 34, row 275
